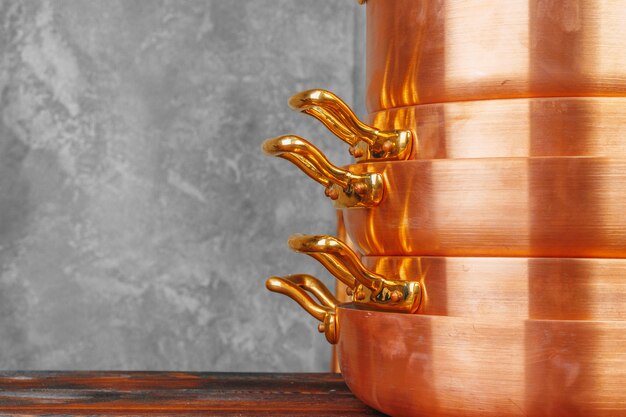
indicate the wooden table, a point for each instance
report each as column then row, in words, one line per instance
column 176, row 393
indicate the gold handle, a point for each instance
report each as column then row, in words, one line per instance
column 315, row 287
column 372, row 289
column 295, row 287
column 335, row 268
column 366, row 142
column 347, row 189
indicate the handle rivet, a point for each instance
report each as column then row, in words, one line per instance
column 396, row 296
column 356, row 152
column 388, row 146
column 360, row 295
column 331, row 193
column 360, row 188
column 349, row 291
column 321, row 327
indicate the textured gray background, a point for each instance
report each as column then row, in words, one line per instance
column 138, row 219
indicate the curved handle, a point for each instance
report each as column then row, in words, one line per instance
column 373, row 289
column 309, row 159
column 315, row 287
column 335, row 268
column 347, row 189
column 367, row 143
column 295, row 287
column 315, row 244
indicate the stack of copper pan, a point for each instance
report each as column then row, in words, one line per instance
column 486, row 210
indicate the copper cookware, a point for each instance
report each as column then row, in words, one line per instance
column 566, row 207
column 489, row 200
column 515, row 288
column 581, row 126
column 557, row 126
column 512, row 128
column 538, row 206
column 418, row 365
column 440, row 51
column 423, row 365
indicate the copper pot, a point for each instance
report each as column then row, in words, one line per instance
column 537, row 206
column 422, row 365
column 511, row 127
column 556, row 126
column 515, row 288
column 418, row 365
column 440, row 51
column 562, row 207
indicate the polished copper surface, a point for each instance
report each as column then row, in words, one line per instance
column 512, row 127
column 419, row 365
column 438, row 51
column 555, row 207
column 514, row 288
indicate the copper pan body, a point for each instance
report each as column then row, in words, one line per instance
column 535, row 207
column 515, row 288
column 439, row 51
column 512, row 127
column 418, row 365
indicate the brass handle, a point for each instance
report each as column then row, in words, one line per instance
column 366, row 142
column 372, row 289
column 347, row 189
column 295, row 287
column 315, row 287
column 335, row 268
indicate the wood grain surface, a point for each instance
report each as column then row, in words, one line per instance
column 175, row 393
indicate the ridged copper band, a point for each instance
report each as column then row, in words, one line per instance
column 512, row 127
column 535, row 207
column 434, row 51
column 418, row 365
column 513, row 288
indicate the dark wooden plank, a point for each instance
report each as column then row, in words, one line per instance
column 177, row 393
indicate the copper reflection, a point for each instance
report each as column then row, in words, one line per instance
column 410, row 365
column 555, row 207
column 512, row 127
column 514, row 288
column 439, row 51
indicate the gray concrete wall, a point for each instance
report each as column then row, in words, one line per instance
column 138, row 219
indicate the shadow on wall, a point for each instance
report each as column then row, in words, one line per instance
column 138, row 218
